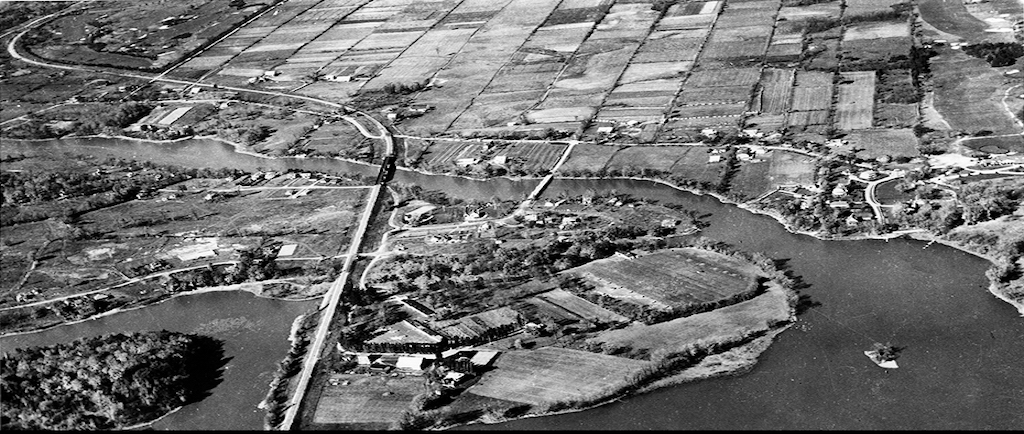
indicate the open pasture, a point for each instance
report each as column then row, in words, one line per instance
column 549, row 375
column 686, row 22
column 876, row 30
column 651, row 157
column 895, row 115
column 969, row 94
column 722, row 325
column 855, row 107
column 728, row 52
column 677, row 277
column 876, row 143
column 825, row 10
column 776, row 89
column 589, row 157
column 668, row 50
column 869, row 7
column 700, row 123
column 362, row 402
column 789, row 168
column 807, row 98
column 496, row 109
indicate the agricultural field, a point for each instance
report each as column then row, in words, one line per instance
column 148, row 35
column 997, row 145
column 357, row 401
column 776, row 90
column 855, row 106
column 968, row 94
column 790, row 168
column 677, row 277
column 722, row 325
column 589, row 157
column 532, row 156
column 550, row 375
column 559, row 302
column 877, row 143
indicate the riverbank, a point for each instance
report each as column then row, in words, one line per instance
column 242, row 287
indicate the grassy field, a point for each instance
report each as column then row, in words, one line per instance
column 534, row 156
column 677, row 277
column 876, row 143
column 657, row 158
column 790, row 168
column 589, row 157
column 968, row 93
column 362, row 402
column 720, row 325
column 550, row 375
column 997, row 145
column 855, row 107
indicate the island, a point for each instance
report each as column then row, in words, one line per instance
column 107, row 382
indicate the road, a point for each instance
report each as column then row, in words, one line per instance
column 869, row 195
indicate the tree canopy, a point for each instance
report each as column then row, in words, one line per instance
column 106, row 382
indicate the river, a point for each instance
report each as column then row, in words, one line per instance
column 962, row 368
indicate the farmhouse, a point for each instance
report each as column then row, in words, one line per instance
column 407, row 336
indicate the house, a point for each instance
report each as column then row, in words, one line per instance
column 338, row 78
column 287, row 250
column 569, row 222
column 271, row 73
column 607, row 129
column 839, row 191
column 669, row 223
column 714, row 159
column 412, row 363
column 483, row 359
column 453, row 379
column 407, row 336
column 500, row 160
column 851, row 220
column 420, row 108
column 839, row 204
column 709, row 132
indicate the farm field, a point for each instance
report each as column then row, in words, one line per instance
column 997, row 145
column 676, row 277
column 589, row 157
column 968, row 94
column 721, row 325
column 550, row 375
column 876, row 143
column 855, row 106
column 564, row 302
column 531, row 156
column 661, row 158
column 776, row 89
column 789, row 168
column 351, row 401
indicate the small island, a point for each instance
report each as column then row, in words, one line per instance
column 114, row 381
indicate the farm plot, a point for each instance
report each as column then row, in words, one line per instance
column 709, row 110
column 726, row 52
column 723, row 77
column 825, row 10
column 776, row 90
column 654, row 71
column 895, row 115
column 686, row 22
column 718, row 326
column 855, row 107
column 714, row 95
column 479, row 60
column 560, row 299
column 534, row 156
column 690, row 124
column 676, row 277
column 520, row 77
column 790, row 168
column 647, row 157
column 745, row 17
column 588, row 157
column 869, row 7
column 809, row 117
column 667, row 49
column 550, row 375
column 865, row 54
column 876, row 143
column 441, row 154
column 875, row 31
column 496, row 109
column 362, row 402
column 626, row 21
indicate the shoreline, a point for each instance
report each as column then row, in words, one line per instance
column 224, row 288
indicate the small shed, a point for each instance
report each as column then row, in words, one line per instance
column 411, row 363
column 483, row 358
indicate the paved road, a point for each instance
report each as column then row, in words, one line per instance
column 869, row 195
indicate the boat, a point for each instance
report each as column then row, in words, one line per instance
column 884, row 355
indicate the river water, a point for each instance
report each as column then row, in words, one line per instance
column 963, row 367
